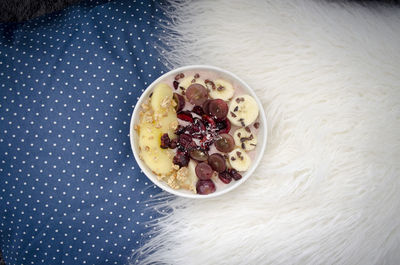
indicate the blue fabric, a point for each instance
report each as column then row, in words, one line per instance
column 70, row 189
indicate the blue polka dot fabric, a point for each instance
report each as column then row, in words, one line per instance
column 70, row 189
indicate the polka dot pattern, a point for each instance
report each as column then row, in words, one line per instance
column 70, row 189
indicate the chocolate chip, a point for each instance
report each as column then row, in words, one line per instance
column 179, row 76
column 243, row 146
column 151, row 94
column 233, row 159
column 193, row 81
column 253, row 144
column 220, row 88
column 196, row 75
column 238, row 153
column 241, row 122
column 247, row 129
column 176, row 84
column 236, row 108
column 182, row 88
column 233, row 115
column 256, row 125
column 209, row 84
column 237, row 100
column 239, row 134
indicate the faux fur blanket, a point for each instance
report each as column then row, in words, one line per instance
column 327, row 190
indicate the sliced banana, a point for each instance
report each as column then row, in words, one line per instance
column 245, row 138
column 186, row 82
column 239, row 160
column 221, row 89
column 243, row 110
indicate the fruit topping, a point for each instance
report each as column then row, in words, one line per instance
column 198, row 155
column 205, row 187
column 224, row 143
column 181, row 159
column 223, row 90
column 239, row 159
column 198, row 110
column 180, row 102
column 223, row 126
column 210, row 123
column 225, row 177
column 203, row 171
column 218, row 109
column 234, row 174
column 196, row 94
column 245, row 138
column 165, row 141
column 217, row 162
column 243, row 110
column 205, row 106
column 175, row 84
column 173, row 143
column 185, row 116
column 184, row 141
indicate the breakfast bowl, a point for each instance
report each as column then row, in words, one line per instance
column 198, row 131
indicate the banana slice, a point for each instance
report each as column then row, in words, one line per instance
column 186, row 82
column 245, row 138
column 239, row 160
column 243, row 110
column 222, row 89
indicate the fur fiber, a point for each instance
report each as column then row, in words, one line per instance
column 328, row 188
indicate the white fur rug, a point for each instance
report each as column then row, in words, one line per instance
column 328, row 188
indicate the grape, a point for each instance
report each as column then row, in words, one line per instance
column 218, row 109
column 196, row 94
column 205, row 187
column 180, row 102
column 203, row 171
column 224, row 143
column 205, row 106
column 198, row 155
column 217, row 162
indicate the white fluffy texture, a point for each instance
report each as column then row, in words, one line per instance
column 327, row 190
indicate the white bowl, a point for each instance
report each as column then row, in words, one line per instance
column 258, row 152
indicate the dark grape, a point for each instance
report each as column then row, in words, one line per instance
column 196, row 94
column 217, row 162
column 198, row 154
column 205, row 106
column 205, row 187
column 224, row 143
column 218, row 109
column 203, row 171
column 180, row 102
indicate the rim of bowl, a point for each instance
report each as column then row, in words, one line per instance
column 153, row 178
